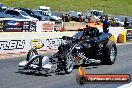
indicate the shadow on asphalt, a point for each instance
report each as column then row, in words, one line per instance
column 42, row 73
column 34, row 73
column 60, row 73
column 39, row 73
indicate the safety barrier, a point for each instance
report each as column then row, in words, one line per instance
column 122, row 36
column 16, row 42
column 116, row 31
column 125, row 36
column 74, row 26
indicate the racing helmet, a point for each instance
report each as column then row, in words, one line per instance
column 92, row 32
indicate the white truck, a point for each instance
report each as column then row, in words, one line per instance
column 44, row 10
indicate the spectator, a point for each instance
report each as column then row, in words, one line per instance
column 81, row 17
column 89, row 19
column 126, row 23
column 106, row 24
column 68, row 17
column 101, row 18
column 63, row 17
column 87, row 27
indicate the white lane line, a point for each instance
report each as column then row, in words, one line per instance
column 129, row 85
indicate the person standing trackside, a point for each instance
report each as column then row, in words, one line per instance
column 126, row 23
column 63, row 17
column 106, row 24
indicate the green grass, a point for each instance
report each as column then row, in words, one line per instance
column 115, row 7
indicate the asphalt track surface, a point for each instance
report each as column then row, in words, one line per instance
column 10, row 77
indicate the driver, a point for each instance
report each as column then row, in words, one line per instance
column 90, row 31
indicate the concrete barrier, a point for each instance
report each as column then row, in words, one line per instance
column 122, row 36
column 114, row 31
column 16, row 42
column 74, row 25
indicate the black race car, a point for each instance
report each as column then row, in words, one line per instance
column 87, row 46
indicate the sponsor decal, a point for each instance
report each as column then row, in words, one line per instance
column 48, row 26
column 48, row 43
column 32, row 26
column 54, row 43
column 58, row 26
column 17, row 26
column 12, row 26
column 36, row 43
column 12, row 44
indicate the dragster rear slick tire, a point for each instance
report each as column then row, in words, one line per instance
column 31, row 52
column 109, row 54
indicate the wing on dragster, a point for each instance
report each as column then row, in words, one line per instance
column 36, row 62
column 33, row 60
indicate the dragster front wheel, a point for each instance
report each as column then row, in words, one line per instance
column 68, row 63
column 30, row 54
